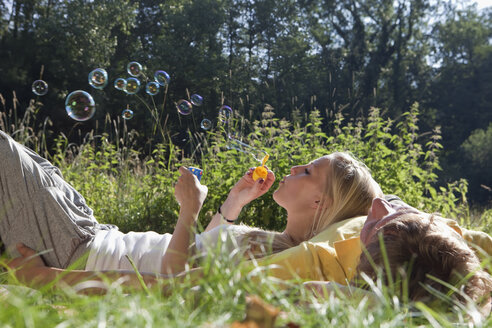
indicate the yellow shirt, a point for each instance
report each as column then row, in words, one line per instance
column 333, row 254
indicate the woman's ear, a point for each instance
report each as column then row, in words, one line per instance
column 324, row 203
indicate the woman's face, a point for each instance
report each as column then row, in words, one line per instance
column 303, row 188
column 380, row 213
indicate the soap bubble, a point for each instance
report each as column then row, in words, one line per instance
column 120, row 84
column 134, row 68
column 206, row 124
column 184, row 107
column 162, row 78
column 98, row 78
column 225, row 113
column 196, row 100
column 127, row 114
column 39, row 87
column 235, row 144
column 80, row 106
column 152, row 88
column 132, row 85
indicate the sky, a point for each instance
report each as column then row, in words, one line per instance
column 483, row 3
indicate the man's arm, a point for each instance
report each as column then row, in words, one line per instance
column 30, row 269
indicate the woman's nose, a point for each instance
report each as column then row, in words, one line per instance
column 293, row 170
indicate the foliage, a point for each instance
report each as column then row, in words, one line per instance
column 25, row 128
column 477, row 152
column 135, row 192
column 294, row 55
column 460, row 93
column 478, row 147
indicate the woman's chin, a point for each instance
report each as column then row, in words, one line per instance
column 275, row 197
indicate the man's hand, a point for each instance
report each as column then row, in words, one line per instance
column 28, row 267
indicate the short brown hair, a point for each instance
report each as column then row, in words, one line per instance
column 420, row 247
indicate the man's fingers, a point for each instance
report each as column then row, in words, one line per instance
column 21, row 248
column 25, row 251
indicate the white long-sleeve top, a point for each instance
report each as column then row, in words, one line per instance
column 109, row 248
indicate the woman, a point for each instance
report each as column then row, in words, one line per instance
column 425, row 254
column 45, row 213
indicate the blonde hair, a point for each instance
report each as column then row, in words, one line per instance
column 418, row 250
column 351, row 189
column 348, row 192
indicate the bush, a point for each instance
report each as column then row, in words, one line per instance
column 136, row 193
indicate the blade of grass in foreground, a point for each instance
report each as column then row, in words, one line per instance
column 139, row 276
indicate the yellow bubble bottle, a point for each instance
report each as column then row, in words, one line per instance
column 261, row 171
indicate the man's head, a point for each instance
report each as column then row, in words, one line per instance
column 381, row 212
column 420, row 247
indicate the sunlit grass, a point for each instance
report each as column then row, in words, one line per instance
column 217, row 300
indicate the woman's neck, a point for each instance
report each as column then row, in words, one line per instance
column 298, row 226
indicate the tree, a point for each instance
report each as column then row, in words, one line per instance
column 477, row 150
column 461, row 89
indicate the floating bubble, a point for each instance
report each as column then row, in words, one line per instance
column 206, row 124
column 127, row 114
column 132, row 85
column 225, row 113
column 184, row 107
column 134, row 68
column 98, row 78
column 235, row 144
column 80, row 106
column 162, row 78
column 152, row 88
column 120, row 84
column 196, row 100
column 39, row 87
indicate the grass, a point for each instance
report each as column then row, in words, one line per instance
column 220, row 299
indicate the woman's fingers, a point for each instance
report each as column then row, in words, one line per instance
column 188, row 189
column 270, row 179
column 184, row 170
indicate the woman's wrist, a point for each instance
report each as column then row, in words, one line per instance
column 229, row 211
column 190, row 209
column 219, row 211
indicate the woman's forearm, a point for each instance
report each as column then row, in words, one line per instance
column 176, row 255
column 230, row 210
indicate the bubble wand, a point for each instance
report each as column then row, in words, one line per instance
column 261, row 171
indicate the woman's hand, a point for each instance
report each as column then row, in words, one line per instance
column 189, row 192
column 246, row 189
